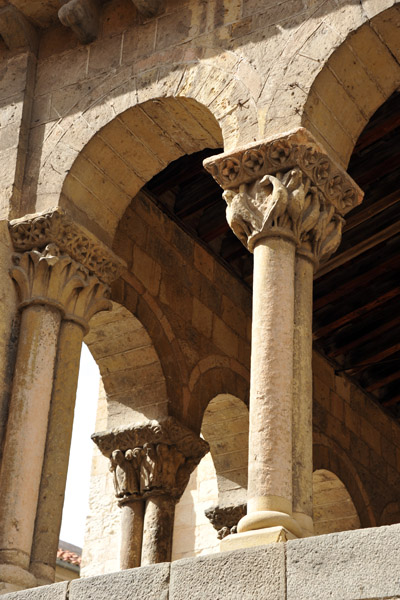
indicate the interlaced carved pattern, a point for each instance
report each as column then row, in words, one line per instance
column 152, row 458
column 35, row 232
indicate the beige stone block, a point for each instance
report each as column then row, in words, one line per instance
column 377, row 59
column 104, row 54
column 173, row 29
column 154, row 136
column 350, row 70
column 371, row 435
column 387, row 27
column 204, row 261
column 374, row 7
column 202, row 318
column 72, row 65
column 146, row 270
column 224, row 338
column 259, row 537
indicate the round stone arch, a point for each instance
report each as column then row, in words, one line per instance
column 182, row 115
column 136, row 362
column 333, row 508
column 356, row 79
column 225, row 426
column 341, row 64
column 328, row 455
column 212, row 376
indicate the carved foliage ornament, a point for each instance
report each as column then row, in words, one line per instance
column 56, row 227
column 155, row 457
column 287, row 205
column 52, row 278
column 286, row 186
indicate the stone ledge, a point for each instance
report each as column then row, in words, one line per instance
column 143, row 583
column 56, row 591
column 238, row 575
column 350, row 565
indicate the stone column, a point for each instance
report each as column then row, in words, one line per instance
column 285, row 201
column 151, row 464
column 58, row 297
column 85, row 302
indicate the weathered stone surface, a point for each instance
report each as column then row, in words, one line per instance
column 57, row 591
column 345, row 566
column 243, row 574
column 145, row 583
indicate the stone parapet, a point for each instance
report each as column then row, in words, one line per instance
column 351, row 565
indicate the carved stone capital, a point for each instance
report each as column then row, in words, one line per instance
column 287, row 187
column 152, row 458
column 52, row 278
column 225, row 518
column 35, row 232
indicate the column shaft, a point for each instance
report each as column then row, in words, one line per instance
column 302, row 395
column 26, row 435
column 270, row 447
column 55, row 465
column 158, row 529
column 132, row 515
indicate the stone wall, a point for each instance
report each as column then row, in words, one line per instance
column 356, row 565
column 355, row 439
column 79, row 90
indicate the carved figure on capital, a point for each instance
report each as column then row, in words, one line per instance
column 162, row 466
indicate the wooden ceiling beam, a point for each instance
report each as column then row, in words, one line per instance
column 373, row 358
column 353, row 252
column 382, row 381
column 371, row 211
column 356, row 282
column 370, row 335
column 356, row 313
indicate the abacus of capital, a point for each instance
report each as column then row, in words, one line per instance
column 151, row 463
column 285, row 201
column 62, row 276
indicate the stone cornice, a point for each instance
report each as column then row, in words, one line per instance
column 55, row 226
column 288, row 151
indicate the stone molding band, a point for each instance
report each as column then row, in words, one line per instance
column 151, row 459
column 294, row 149
column 55, row 226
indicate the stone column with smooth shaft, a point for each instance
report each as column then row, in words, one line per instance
column 283, row 195
column 270, row 425
column 132, row 516
column 158, row 529
column 302, row 457
column 25, row 442
column 55, row 465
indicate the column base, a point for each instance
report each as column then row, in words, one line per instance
column 14, row 578
column 257, row 537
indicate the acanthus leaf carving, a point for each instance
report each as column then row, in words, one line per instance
column 52, row 278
